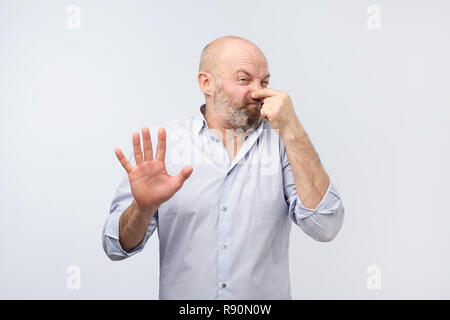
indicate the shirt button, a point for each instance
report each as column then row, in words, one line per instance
column 224, row 208
column 223, row 246
column 224, row 285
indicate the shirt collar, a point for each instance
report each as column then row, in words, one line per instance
column 199, row 119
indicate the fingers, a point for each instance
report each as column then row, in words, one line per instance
column 137, row 148
column 264, row 93
column 184, row 174
column 123, row 160
column 264, row 114
column 148, row 147
column 147, row 141
column 161, row 147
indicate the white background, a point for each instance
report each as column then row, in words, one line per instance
column 376, row 104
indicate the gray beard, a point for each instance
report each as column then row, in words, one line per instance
column 236, row 115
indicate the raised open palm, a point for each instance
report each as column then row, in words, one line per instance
column 150, row 183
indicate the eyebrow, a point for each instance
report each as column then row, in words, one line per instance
column 249, row 74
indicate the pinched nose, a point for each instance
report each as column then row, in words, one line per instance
column 255, row 101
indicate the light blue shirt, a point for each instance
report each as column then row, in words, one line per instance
column 225, row 233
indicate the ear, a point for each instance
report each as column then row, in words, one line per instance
column 206, row 83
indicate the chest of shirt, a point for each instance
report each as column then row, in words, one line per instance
column 249, row 191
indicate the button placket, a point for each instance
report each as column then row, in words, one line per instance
column 224, row 225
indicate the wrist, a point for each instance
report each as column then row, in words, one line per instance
column 145, row 211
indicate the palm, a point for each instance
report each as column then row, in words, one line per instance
column 150, row 183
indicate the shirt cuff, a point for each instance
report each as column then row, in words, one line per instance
column 111, row 243
column 329, row 204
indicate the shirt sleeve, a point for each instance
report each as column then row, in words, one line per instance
column 110, row 236
column 321, row 223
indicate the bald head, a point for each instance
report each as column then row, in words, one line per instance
column 218, row 54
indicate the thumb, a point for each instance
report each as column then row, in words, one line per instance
column 184, row 174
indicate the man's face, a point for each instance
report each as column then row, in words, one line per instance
column 244, row 71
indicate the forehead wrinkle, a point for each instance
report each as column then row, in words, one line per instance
column 247, row 65
column 250, row 74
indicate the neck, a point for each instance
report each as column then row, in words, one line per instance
column 232, row 142
column 213, row 119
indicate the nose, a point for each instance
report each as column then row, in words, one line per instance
column 256, row 85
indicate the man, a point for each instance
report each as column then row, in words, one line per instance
column 246, row 169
